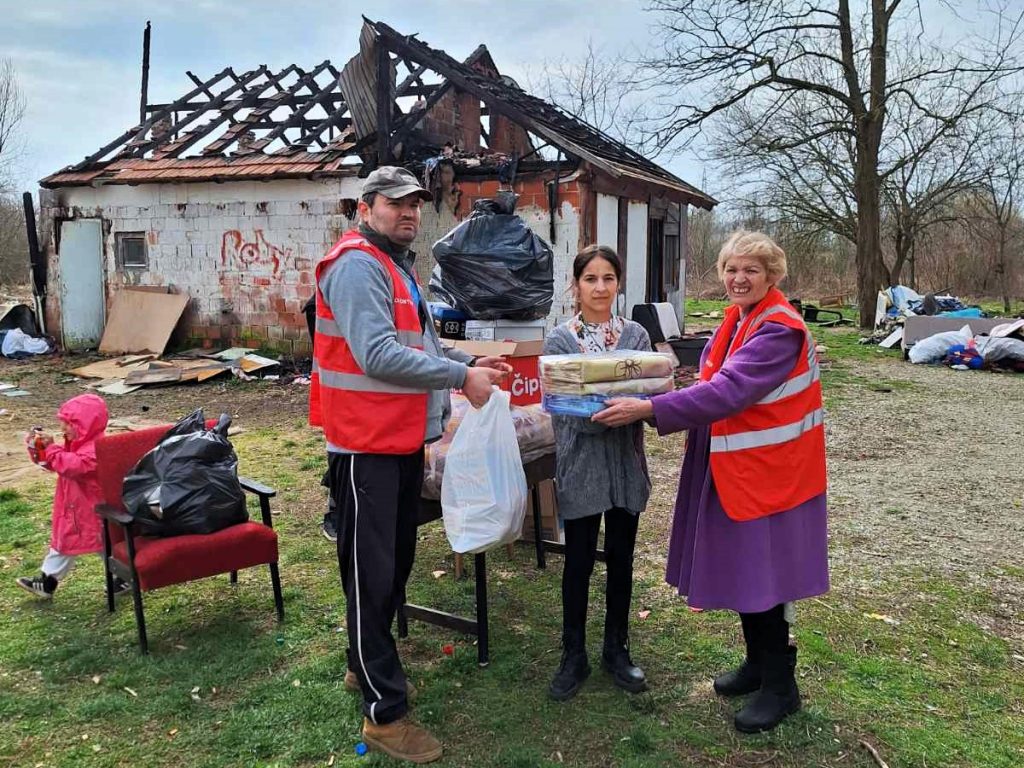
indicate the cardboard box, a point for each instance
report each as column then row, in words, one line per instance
column 524, row 383
column 550, row 526
column 919, row 327
column 505, row 330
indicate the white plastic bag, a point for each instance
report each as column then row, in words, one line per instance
column 483, row 491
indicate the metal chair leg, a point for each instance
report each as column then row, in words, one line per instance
column 140, row 618
column 275, row 579
column 234, row 577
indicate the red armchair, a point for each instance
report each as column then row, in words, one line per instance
column 148, row 563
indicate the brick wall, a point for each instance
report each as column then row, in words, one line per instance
column 245, row 253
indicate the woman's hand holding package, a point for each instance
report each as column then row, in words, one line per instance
column 621, row 411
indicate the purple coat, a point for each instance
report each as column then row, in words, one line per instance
column 717, row 562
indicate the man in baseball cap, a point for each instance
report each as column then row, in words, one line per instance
column 394, row 182
column 379, row 389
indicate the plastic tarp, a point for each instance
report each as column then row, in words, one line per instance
column 493, row 266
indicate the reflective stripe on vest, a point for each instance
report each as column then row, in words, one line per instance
column 799, row 383
column 326, row 326
column 741, row 441
column 354, row 382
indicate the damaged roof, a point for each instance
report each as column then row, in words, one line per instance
column 322, row 122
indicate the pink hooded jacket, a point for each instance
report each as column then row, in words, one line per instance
column 76, row 529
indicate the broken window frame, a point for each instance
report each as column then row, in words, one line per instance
column 121, row 240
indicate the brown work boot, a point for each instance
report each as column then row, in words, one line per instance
column 352, row 684
column 403, row 740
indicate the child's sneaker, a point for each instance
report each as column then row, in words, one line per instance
column 121, row 587
column 41, row 586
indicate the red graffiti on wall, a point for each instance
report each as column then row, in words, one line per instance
column 256, row 255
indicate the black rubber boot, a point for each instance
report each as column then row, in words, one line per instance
column 573, row 669
column 746, row 678
column 777, row 698
column 615, row 660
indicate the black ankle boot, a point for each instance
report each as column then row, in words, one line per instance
column 777, row 698
column 572, row 671
column 746, row 678
column 616, row 662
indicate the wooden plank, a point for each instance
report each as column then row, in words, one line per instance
column 142, row 322
column 108, row 369
column 153, row 376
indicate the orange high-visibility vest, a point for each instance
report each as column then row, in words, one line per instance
column 357, row 412
column 770, row 457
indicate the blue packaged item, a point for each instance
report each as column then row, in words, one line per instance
column 583, row 406
column 442, row 312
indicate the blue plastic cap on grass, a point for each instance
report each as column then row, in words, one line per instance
column 360, row 749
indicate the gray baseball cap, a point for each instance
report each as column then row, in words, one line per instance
column 394, row 182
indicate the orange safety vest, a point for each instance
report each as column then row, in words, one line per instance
column 770, row 457
column 357, row 412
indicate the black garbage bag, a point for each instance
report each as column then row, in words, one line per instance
column 494, row 266
column 188, row 483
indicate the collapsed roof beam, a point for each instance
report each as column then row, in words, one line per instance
column 140, row 145
column 259, row 115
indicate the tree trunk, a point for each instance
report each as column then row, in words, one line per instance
column 871, row 270
column 904, row 242
column 1001, row 276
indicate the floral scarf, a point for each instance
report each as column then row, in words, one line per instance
column 597, row 337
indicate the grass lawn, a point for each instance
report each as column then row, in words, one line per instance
column 225, row 685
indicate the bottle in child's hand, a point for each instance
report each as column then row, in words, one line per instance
column 38, row 450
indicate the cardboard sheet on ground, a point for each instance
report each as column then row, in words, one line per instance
column 141, row 321
column 110, row 369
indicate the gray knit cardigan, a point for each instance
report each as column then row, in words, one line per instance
column 598, row 467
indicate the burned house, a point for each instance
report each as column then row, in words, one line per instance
column 234, row 191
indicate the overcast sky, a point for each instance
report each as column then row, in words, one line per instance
column 78, row 61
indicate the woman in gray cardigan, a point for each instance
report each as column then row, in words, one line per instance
column 601, row 470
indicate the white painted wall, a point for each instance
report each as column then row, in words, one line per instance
column 607, row 220
column 246, row 252
column 636, row 255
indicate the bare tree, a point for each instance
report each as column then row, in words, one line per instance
column 12, row 111
column 599, row 89
column 997, row 205
column 775, row 58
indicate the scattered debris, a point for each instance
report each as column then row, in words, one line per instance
column 126, row 374
column 882, row 617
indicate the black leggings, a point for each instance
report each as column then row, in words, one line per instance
column 767, row 630
column 580, row 550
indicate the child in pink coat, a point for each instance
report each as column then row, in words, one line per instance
column 76, row 529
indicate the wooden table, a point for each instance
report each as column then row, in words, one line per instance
column 430, row 510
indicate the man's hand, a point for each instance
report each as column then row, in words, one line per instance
column 495, row 362
column 477, row 388
column 621, row 411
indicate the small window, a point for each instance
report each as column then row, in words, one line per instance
column 131, row 250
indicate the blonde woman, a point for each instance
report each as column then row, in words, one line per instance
column 749, row 532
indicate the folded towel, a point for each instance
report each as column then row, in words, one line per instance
column 654, row 386
column 620, row 365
